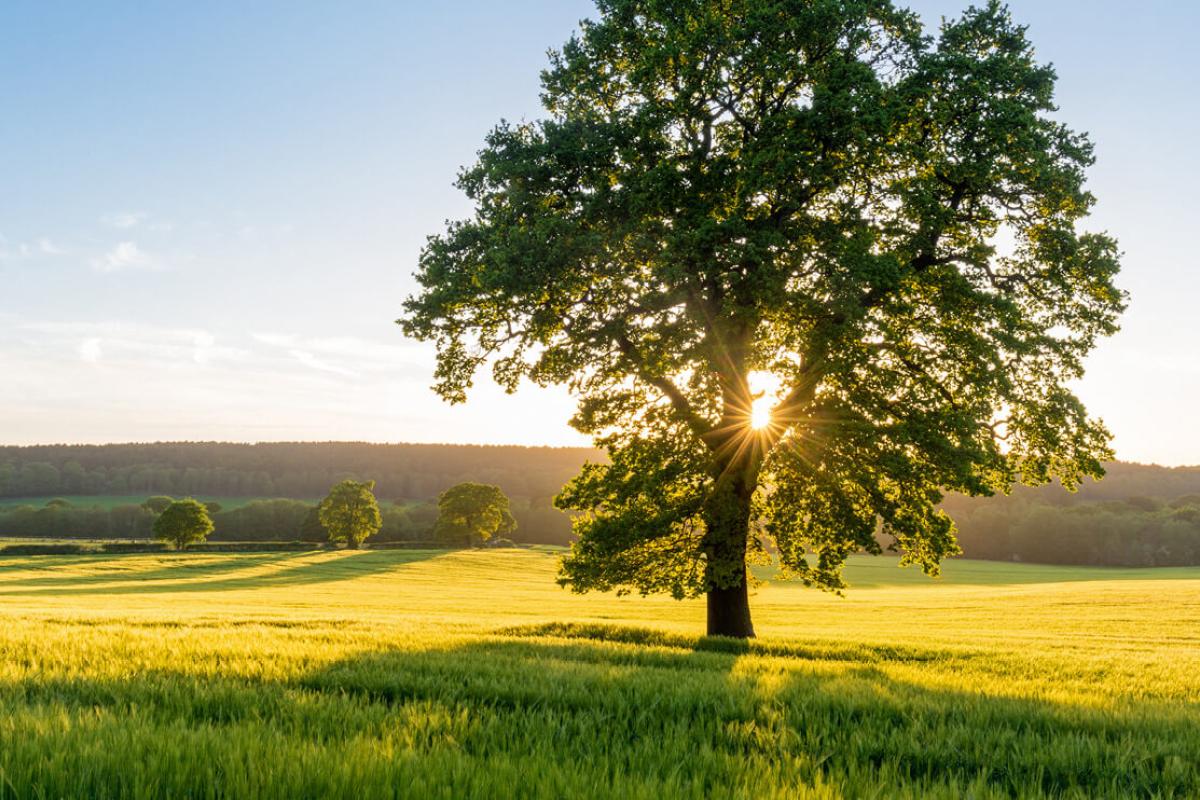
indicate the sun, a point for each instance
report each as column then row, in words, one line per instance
column 760, row 413
column 765, row 387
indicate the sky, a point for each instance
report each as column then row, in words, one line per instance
column 210, row 213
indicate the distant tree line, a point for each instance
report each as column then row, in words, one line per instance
column 1140, row 531
column 266, row 520
column 295, row 470
column 1137, row 516
column 400, row 471
column 257, row 521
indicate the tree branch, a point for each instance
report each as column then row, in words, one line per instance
column 679, row 401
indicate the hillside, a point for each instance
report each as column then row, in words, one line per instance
column 411, row 471
column 1139, row 515
column 281, row 469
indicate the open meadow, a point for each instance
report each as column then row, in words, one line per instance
column 375, row 674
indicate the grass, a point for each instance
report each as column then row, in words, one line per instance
column 420, row 674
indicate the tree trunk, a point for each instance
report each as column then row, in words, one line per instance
column 727, row 526
column 729, row 612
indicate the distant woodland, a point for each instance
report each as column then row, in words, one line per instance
column 1137, row 516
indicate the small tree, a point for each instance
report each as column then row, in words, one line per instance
column 157, row 504
column 470, row 514
column 350, row 513
column 183, row 522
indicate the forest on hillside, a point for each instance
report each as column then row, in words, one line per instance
column 285, row 469
column 1139, row 515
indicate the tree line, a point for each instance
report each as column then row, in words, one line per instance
column 407, row 472
column 294, row 470
column 1139, row 515
column 267, row 520
column 1140, row 531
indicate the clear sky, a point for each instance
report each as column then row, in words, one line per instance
column 210, row 212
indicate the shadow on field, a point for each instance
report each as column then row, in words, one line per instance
column 606, row 711
column 652, row 704
column 114, row 567
column 26, row 564
column 210, row 573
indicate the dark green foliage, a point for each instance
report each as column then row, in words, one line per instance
column 133, row 547
column 286, row 469
column 470, row 514
column 277, row 519
column 59, row 522
column 311, row 529
column 254, row 547
column 157, row 504
column 1112, row 533
column 808, row 190
column 265, row 519
column 46, row 550
column 350, row 513
column 182, row 523
column 530, row 476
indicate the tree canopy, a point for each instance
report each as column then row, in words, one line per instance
column 183, row 522
column 804, row 266
column 157, row 504
column 470, row 514
column 350, row 513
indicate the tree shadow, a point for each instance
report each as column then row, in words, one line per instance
column 14, row 563
column 650, row 701
column 617, row 712
column 111, row 568
column 212, row 574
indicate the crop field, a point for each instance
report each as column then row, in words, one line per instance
column 471, row 674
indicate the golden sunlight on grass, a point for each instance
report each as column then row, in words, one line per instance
column 472, row 674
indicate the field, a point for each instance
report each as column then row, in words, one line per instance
column 391, row 673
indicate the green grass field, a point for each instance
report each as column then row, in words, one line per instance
column 413, row 674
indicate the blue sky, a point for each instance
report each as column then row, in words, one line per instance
column 211, row 211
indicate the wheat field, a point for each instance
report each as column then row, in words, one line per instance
column 472, row 674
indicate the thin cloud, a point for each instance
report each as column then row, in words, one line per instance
column 124, row 220
column 91, row 351
column 124, row 256
column 39, row 247
column 312, row 362
column 146, row 344
column 348, row 355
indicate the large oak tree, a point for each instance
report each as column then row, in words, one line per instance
column 805, row 267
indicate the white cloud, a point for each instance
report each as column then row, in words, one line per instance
column 77, row 381
column 348, row 355
column 90, row 350
column 125, row 255
column 149, row 345
column 39, row 247
column 124, row 219
column 313, row 362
